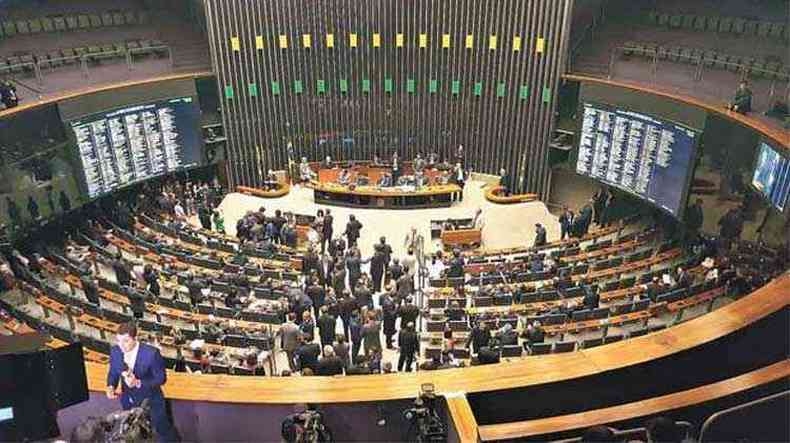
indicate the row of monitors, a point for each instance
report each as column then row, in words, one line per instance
column 653, row 158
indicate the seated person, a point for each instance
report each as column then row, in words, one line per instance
column 305, row 173
column 419, row 179
column 778, row 110
column 344, row 178
column 419, row 164
column 385, row 181
column 271, row 180
column 327, row 163
column 363, row 180
column 742, row 102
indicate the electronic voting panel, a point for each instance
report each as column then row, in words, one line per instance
column 135, row 143
column 638, row 153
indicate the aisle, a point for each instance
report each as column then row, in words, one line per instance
column 505, row 225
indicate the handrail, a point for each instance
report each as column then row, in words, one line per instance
column 642, row 408
column 777, row 134
column 622, row 434
column 736, row 408
column 527, row 371
column 66, row 95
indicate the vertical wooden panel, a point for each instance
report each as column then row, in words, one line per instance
column 428, row 41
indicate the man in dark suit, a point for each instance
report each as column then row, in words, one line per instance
column 326, row 327
column 352, row 230
column 317, row 295
column 307, row 353
column 409, row 344
column 89, row 288
column 600, row 200
column 122, row 274
column 195, row 287
column 694, row 220
column 394, row 271
column 566, row 223
column 328, row 230
column 377, row 264
column 339, row 279
column 505, row 182
column 140, row 369
column 456, row 268
column 479, row 337
column 408, row 312
column 330, row 364
column 540, row 235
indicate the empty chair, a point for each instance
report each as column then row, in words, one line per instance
column 538, row 348
column 612, row 338
column 637, row 333
column 564, row 346
column 511, row 351
column 592, row 342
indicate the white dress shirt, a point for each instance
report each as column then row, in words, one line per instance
column 131, row 357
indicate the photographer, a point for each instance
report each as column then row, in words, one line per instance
column 426, row 425
column 305, row 427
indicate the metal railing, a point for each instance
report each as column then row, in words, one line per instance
column 702, row 75
column 86, row 62
column 715, row 418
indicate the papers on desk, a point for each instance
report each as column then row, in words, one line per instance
column 197, row 344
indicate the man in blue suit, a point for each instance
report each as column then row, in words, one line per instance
column 140, row 370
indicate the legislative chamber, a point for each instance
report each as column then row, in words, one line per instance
column 546, row 220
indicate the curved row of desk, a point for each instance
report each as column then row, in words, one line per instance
column 530, row 371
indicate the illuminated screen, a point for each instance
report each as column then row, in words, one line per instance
column 641, row 154
column 131, row 144
column 772, row 176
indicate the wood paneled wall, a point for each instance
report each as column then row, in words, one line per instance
column 354, row 78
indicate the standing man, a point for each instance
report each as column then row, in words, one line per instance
column 352, row 230
column 600, row 200
column 377, row 264
column 409, row 344
column 328, row 230
column 540, row 235
column 326, row 327
column 459, row 178
column 694, row 220
column 289, row 333
column 505, row 182
column 122, row 274
column 566, row 222
column 140, row 369
column 742, row 102
column 390, row 315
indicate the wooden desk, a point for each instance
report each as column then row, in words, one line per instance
column 495, row 194
column 527, row 371
column 281, row 190
column 464, row 238
column 384, row 198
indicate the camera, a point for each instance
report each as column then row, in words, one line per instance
column 305, row 427
column 425, row 423
column 129, row 426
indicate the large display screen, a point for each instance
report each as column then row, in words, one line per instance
column 772, row 176
column 638, row 153
column 127, row 145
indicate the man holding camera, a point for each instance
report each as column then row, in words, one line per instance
column 140, row 369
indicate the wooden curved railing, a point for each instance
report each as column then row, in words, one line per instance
column 650, row 406
column 100, row 88
column 776, row 133
column 514, row 374
column 494, row 195
column 282, row 190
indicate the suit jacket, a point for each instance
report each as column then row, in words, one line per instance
column 289, row 333
column 136, row 300
column 122, row 274
column 149, row 368
column 409, row 342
